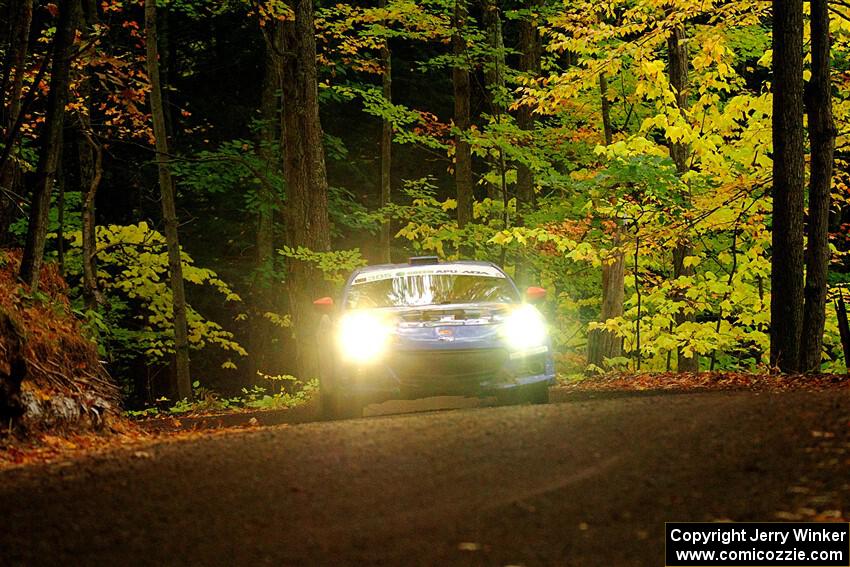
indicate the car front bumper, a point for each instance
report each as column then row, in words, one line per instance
column 407, row 374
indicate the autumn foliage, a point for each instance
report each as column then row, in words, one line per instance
column 47, row 357
column 707, row 381
column 619, row 154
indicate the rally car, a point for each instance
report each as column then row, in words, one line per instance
column 430, row 328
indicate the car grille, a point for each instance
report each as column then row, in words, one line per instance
column 449, row 367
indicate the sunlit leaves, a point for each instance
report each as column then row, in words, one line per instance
column 334, row 265
column 133, row 264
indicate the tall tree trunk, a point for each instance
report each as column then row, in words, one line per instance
column 678, row 71
column 529, row 63
column 843, row 327
column 462, row 93
column 51, row 142
column 822, row 143
column 163, row 38
column 307, row 223
column 677, row 53
column 494, row 71
column 607, row 129
column 261, row 330
column 183, row 382
column 603, row 344
column 386, row 147
column 93, row 177
column 494, row 75
column 60, row 218
column 786, row 302
column 13, row 76
column 21, row 21
column 91, row 169
column 10, row 137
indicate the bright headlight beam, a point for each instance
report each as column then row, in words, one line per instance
column 525, row 328
column 363, row 336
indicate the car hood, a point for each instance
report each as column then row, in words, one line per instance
column 450, row 326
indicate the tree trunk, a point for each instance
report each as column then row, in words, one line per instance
column 11, row 135
column 263, row 297
column 386, row 148
column 607, row 129
column 677, row 52
column 90, row 291
column 60, row 218
column 163, row 38
column 843, row 327
column 603, row 344
column 183, row 382
column 678, row 72
column 494, row 71
column 786, row 302
column 307, row 223
column 529, row 63
column 639, row 295
column 51, row 142
column 460, row 82
column 822, row 143
column 681, row 251
column 494, row 76
column 21, row 21
column 91, row 171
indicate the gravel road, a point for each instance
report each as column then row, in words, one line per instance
column 577, row 483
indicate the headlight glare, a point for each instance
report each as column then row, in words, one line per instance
column 363, row 336
column 525, row 328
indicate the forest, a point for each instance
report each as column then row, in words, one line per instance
column 182, row 178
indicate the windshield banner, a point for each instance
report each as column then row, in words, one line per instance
column 483, row 271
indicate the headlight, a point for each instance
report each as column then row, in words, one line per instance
column 525, row 328
column 363, row 336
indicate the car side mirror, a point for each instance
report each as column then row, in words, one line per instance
column 535, row 294
column 324, row 304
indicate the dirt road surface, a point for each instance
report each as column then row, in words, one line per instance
column 576, row 483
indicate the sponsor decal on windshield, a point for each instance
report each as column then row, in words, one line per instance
column 438, row 270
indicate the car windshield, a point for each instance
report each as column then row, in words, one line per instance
column 433, row 286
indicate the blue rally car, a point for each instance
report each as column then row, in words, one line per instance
column 432, row 328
